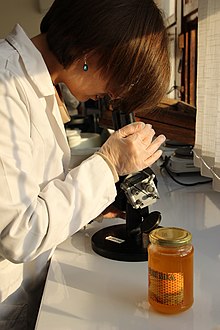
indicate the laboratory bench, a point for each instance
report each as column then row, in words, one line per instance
column 85, row 291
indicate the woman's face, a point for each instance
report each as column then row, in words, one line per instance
column 85, row 85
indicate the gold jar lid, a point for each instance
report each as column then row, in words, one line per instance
column 170, row 236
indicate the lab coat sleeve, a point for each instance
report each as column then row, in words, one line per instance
column 37, row 217
column 86, row 191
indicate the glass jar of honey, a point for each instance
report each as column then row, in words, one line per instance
column 170, row 270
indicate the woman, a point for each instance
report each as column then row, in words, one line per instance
column 97, row 48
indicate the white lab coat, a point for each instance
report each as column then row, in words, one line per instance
column 41, row 203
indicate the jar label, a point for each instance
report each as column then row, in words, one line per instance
column 166, row 288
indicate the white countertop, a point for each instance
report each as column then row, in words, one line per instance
column 85, row 291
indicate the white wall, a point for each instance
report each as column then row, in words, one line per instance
column 25, row 12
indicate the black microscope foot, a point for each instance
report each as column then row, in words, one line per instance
column 111, row 243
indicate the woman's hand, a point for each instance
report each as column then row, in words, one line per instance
column 132, row 148
column 112, row 212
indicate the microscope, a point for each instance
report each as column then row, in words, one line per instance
column 135, row 193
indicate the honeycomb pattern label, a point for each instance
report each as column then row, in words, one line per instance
column 166, row 288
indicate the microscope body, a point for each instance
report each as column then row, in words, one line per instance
column 135, row 193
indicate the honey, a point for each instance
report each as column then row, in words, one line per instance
column 170, row 270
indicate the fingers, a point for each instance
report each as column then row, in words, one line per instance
column 131, row 129
column 159, row 140
column 152, row 159
column 147, row 139
column 140, row 133
column 141, row 130
column 147, row 134
column 154, row 146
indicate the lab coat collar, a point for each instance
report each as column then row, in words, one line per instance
column 32, row 60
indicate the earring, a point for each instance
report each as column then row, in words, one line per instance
column 85, row 66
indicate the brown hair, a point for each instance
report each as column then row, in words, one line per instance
column 128, row 35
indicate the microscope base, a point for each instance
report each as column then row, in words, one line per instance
column 112, row 243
